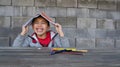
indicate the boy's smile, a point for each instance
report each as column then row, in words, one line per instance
column 40, row 27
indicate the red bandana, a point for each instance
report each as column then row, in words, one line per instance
column 45, row 42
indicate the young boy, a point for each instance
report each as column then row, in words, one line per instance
column 42, row 36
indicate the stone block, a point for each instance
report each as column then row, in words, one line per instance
column 28, row 11
column 4, row 41
column 111, row 34
column 14, row 33
column 67, row 22
column 19, row 21
column 104, row 43
column 61, row 12
column 98, row 14
column 118, row 34
column 70, row 32
column 118, row 24
column 72, row 42
column 105, row 24
column 56, row 12
column 118, row 5
column 5, row 22
column 39, row 10
column 85, row 33
column 6, row 11
column 23, row 2
column 113, row 15
column 86, row 23
column 71, row 12
column 2, row 11
column 67, row 3
column 4, row 32
column 82, row 12
column 87, row 3
column 17, row 11
column 51, row 11
column 118, row 43
column 100, row 33
column 5, row 2
column 45, row 3
column 82, row 43
column 107, row 4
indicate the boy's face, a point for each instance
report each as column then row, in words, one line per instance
column 40, row 26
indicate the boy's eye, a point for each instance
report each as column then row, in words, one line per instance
column 36, row 22
column 43, row 23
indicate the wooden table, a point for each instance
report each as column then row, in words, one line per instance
column 34, row 57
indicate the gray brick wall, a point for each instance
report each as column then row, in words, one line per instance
column 87, row 23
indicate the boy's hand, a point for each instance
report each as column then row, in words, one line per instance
column 59, row 29
column 24, row 30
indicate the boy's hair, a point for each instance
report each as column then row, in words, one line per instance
column 40, row 17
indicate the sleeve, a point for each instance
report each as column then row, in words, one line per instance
column 21, row 41
column 64, row 42
column 61, row 42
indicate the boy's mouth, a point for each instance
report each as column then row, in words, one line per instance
column 39, row 29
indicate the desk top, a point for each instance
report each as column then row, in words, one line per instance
column 35, row 57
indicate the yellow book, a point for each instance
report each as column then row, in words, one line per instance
column 73, row 49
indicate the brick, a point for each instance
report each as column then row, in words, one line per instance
column 67, row 22
column 4, row 41
column 5, row 2
column 86, row 23
column 61, row 12
column 2, row 11
column 4, row 32
column 82, row 12
column 107, row 4
column 39, row 10
column 51, row 11
column 70, row 32
column 118, row 24
column 45, row 3
column 56, row 12
column 19, row 21
column 111, row 34
column 5, row 22
column 118, row 5
column 104, row 43
column 99, row 14
column 113, row 15
column 17, row 11
column 23, row 2
column 105, row 24
column 28, row 11
column 85, row 33
column 72, row 42
column 67, row 3
column 6, row 11
column 100, row 33
column 14, row 33
column 117, row 43
column 71, row 12
column 85, row 43
column 118, row 34
column 31, row 11
column 87, row 3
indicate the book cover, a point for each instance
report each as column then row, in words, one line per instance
column 43, row 15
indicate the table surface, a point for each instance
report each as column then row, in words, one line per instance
column 35, row 57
